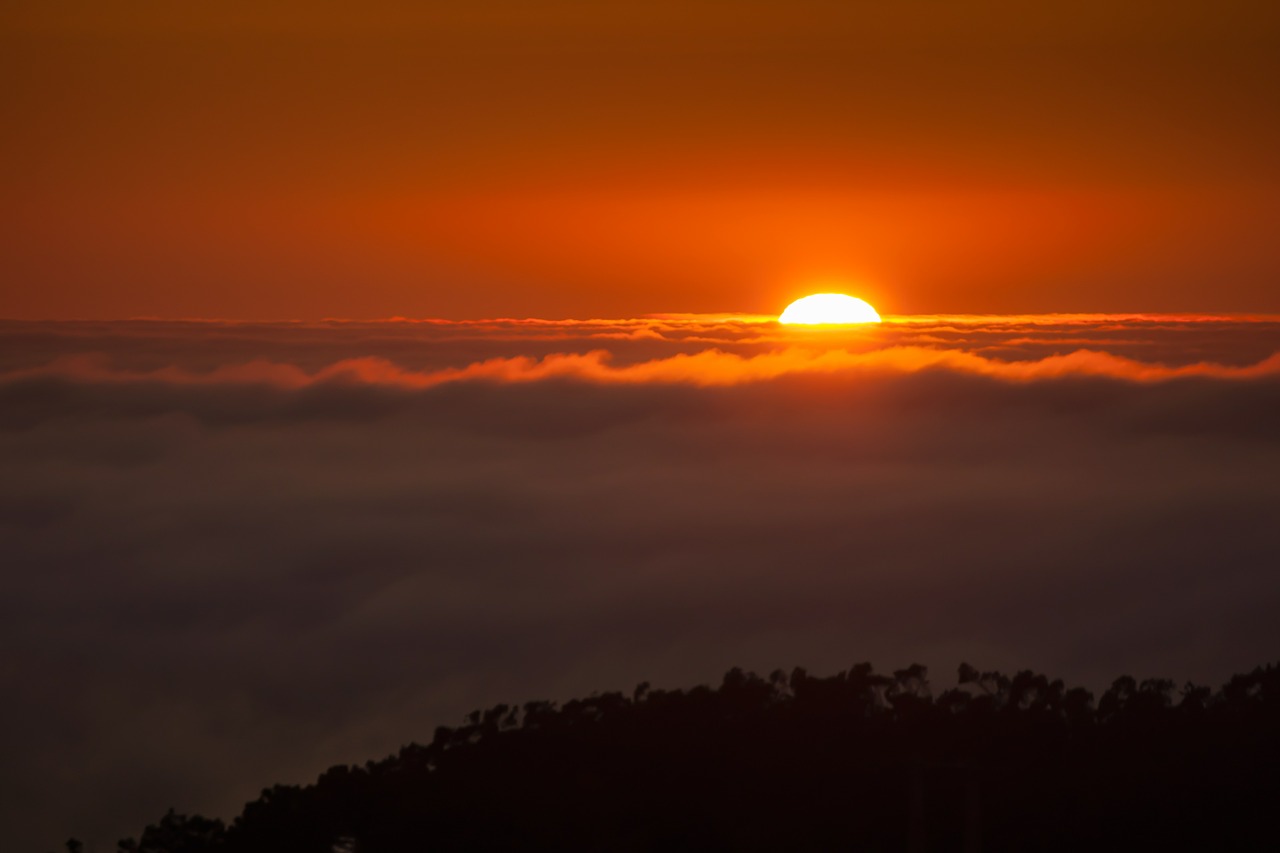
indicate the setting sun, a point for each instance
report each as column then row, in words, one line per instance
column 829, row 309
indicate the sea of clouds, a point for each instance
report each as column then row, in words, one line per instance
column 236, row 554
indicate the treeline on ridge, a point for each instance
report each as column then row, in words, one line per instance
column 854, row 761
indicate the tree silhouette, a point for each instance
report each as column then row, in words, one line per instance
column 855, row 760
column 177, row 833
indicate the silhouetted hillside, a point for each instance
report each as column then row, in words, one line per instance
column 855, row 761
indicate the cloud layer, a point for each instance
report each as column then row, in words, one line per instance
column 238, row 554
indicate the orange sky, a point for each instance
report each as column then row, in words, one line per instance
column 501, row 158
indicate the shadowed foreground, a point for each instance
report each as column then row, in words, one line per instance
column 854, row 761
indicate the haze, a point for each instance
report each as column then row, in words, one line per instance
column 569, row 159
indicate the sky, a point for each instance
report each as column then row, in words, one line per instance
column 362, row 365
column 289, row 160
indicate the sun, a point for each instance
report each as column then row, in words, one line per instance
column 829, row 309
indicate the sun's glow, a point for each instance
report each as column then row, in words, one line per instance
column 829, row 309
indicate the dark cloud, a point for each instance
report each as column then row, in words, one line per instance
column 216, row 585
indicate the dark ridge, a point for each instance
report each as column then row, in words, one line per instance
column 854, row 761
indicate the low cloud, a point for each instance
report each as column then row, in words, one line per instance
column 223, row 572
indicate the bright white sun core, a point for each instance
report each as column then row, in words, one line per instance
column 829, row 309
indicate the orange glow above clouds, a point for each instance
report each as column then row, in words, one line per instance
column 718, row 351
column 569, row 161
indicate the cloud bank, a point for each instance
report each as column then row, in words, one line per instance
column 238, row 554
